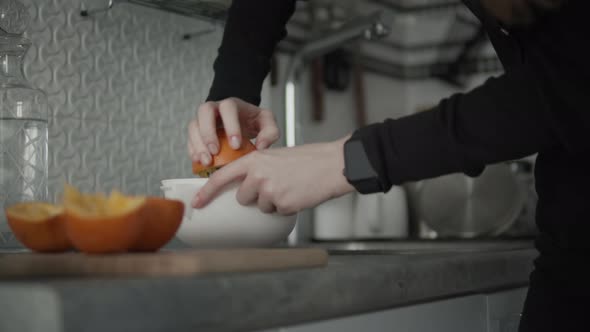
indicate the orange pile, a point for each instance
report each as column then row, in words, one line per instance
column 226, row 155
column 95, row 223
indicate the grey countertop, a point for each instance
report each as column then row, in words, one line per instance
column 351, row 284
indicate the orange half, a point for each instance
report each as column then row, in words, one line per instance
column 226, row 155
column 38, row 226
column 161, row 219
column 97, row 224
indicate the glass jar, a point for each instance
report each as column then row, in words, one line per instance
column 23, row 121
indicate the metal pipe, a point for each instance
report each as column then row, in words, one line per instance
column 367, row 27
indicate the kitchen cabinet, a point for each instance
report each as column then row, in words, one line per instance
column 503, row 310
column 493, row 312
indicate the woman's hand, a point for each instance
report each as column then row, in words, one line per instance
column 239, row 118
column 284, row 180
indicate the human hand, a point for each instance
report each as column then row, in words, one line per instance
column 285, row 180
column 240, row 120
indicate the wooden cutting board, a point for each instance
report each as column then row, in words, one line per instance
column 164, row 263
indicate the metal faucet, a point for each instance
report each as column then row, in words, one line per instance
column 368, row 27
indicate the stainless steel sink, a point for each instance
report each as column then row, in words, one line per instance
column 421, row 247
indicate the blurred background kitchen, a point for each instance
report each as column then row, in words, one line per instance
column 123, row 78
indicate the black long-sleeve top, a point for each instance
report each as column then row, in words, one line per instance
column 539, row 105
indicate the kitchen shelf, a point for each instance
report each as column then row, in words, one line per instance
column 415, row 7
column 482, row 64
column 478, row 65
column 216, row 11
column 210, row 10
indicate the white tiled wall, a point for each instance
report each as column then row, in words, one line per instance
column 122, row 87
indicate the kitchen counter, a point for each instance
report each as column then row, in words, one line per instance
column 351, row 284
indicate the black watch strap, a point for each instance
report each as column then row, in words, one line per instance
column 358, row 170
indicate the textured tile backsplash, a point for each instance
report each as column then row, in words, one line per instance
column 122, row 87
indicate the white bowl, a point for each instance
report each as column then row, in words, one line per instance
column 224, row 222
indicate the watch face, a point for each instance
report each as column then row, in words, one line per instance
column 357, row 165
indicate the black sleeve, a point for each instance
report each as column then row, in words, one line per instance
column 252, row 31
column 506, row 118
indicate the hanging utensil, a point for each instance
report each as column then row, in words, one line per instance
column 317, row 90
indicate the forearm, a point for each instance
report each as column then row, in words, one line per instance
column 252, row 31
column 504, row 119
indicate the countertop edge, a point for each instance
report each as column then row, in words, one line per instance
column 349, row 285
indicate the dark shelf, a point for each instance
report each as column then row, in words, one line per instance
column 217, row 10
column 201, row 9
column 399, row 7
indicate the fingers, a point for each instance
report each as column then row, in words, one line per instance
column 256, row 189
column 207, row 127
column 233, row 171
column 265, row 198
column 198, row 151
column 252, row 190
column 269, row 132
column 248, row 192
column 191, row 150
column 266, row 206
column 228, row 110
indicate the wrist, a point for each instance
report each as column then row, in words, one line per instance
column 342, row 186
column 358, row 169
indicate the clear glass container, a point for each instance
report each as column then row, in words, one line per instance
column 23, row 121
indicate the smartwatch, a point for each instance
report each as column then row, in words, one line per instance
column 358, row 170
